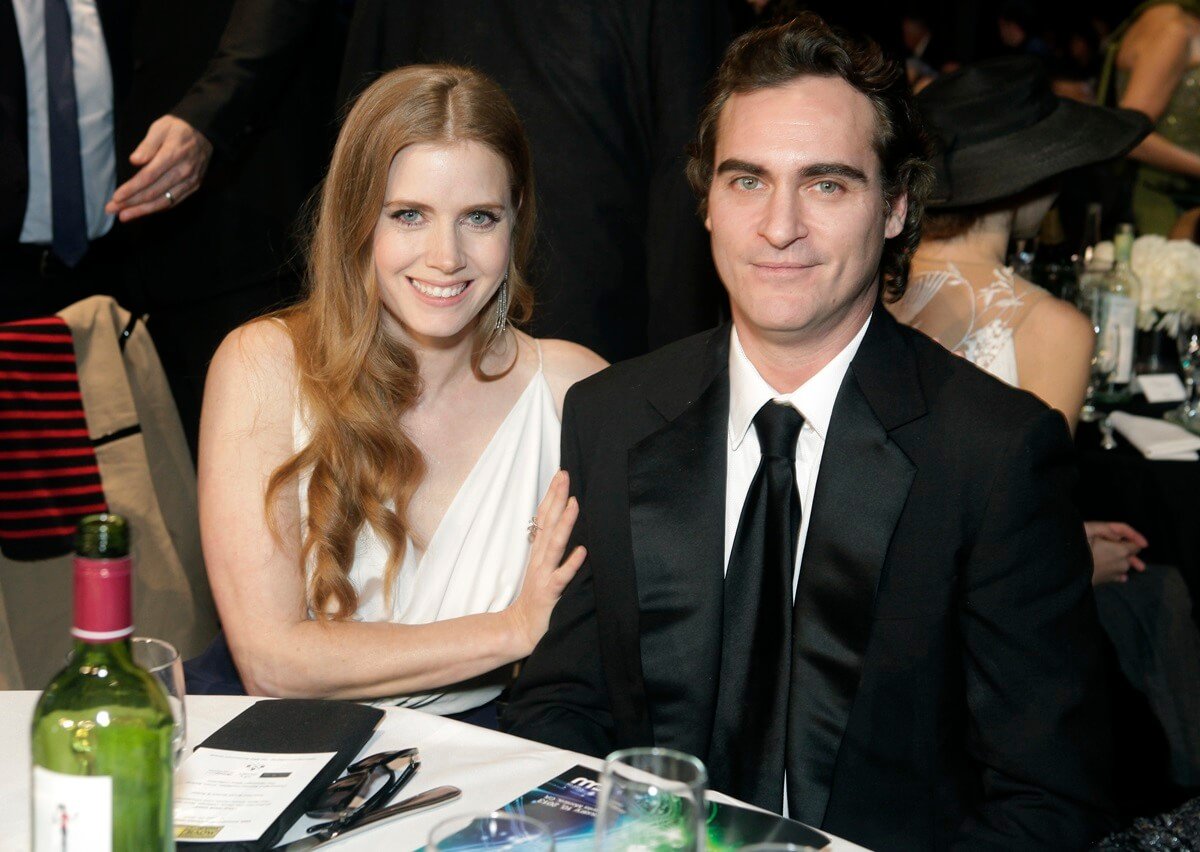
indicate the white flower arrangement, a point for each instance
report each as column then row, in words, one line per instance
column 1169, row 271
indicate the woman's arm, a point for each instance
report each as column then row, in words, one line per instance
column 1054, row 355
column 1160, row 59
column 258, row 580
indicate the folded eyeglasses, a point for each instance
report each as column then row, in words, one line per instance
column 357, row 793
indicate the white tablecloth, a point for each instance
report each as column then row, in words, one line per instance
column 491, row 768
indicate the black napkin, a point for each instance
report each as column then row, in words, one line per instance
column 294, row 725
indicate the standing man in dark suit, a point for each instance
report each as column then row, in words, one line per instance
column 828, row 557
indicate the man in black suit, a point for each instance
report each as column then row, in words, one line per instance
column 868, row 605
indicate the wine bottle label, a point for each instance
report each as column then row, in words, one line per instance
column 71, row 813
column 102, row 599
column 1119, row 326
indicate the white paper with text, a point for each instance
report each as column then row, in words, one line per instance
column 228, row 796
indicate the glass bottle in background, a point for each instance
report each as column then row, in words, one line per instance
column 101, row 738
column 1053, row 265
column 1118, row 317
column 1092, row 263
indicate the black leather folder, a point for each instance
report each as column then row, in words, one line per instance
column 293, row 725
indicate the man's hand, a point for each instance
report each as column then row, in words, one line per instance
column 1114, row 551
column 173, row 158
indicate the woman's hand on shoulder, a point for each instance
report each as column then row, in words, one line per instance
column 566, row 363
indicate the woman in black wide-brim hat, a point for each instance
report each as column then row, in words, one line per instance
column 1003, row 138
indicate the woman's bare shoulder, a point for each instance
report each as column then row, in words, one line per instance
column 254, row 367
column 1054, row 319
column 1156, row 23
column 564, row 363
column 569, row 362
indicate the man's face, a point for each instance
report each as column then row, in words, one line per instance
column 796, row 210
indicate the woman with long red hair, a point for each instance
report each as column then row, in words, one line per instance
column 371, row 458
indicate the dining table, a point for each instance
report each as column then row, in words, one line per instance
column 1158, row 498
column 490, row 767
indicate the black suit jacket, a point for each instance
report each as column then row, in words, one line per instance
column 609, row 91
column 950, row 689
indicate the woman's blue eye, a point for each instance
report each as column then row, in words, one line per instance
column 407, row 217
column 482, row 219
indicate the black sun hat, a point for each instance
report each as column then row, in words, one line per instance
column 1001, row 129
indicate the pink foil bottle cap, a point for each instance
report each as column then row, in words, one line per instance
column 103, row 611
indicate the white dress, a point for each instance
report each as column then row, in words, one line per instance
column 475, row 559
column 976, row 319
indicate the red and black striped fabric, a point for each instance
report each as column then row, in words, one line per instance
column 49, row 477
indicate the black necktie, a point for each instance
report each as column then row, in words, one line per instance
column 67, row 215
column 747, row 753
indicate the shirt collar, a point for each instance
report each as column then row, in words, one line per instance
column 749, row 391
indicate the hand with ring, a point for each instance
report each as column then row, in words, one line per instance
column 172, row 160
column 547, row 573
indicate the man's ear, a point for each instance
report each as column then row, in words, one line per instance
column 897, row 213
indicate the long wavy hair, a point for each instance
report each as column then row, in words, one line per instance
column 355, row 379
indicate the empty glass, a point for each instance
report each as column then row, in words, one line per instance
column 491, row 831
column 162, row 660
column 651, row 799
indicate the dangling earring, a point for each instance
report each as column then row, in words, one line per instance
column 502, row 307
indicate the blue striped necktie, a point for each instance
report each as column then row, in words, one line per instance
column 68, row 217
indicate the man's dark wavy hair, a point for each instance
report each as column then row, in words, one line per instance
column 807, row 46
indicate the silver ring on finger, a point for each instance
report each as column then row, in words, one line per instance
column 170, row 197
column 533, row 528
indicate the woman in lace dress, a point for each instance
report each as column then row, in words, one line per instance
column 1004, row 138
column 371, row 458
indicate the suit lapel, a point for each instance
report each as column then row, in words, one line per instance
column 677, row 524
column 861, row 490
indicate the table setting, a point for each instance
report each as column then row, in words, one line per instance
column 436, row 771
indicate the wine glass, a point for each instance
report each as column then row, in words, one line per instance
column 1187, row 338
column 496, row 830
column 161, row 660
column 651, row 798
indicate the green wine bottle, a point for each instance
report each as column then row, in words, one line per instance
column 102, row 768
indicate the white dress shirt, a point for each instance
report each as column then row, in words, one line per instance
column 748, row 392
column 94, row 98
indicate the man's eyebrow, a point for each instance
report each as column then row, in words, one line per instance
column 734, row 165
column 841, row 170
